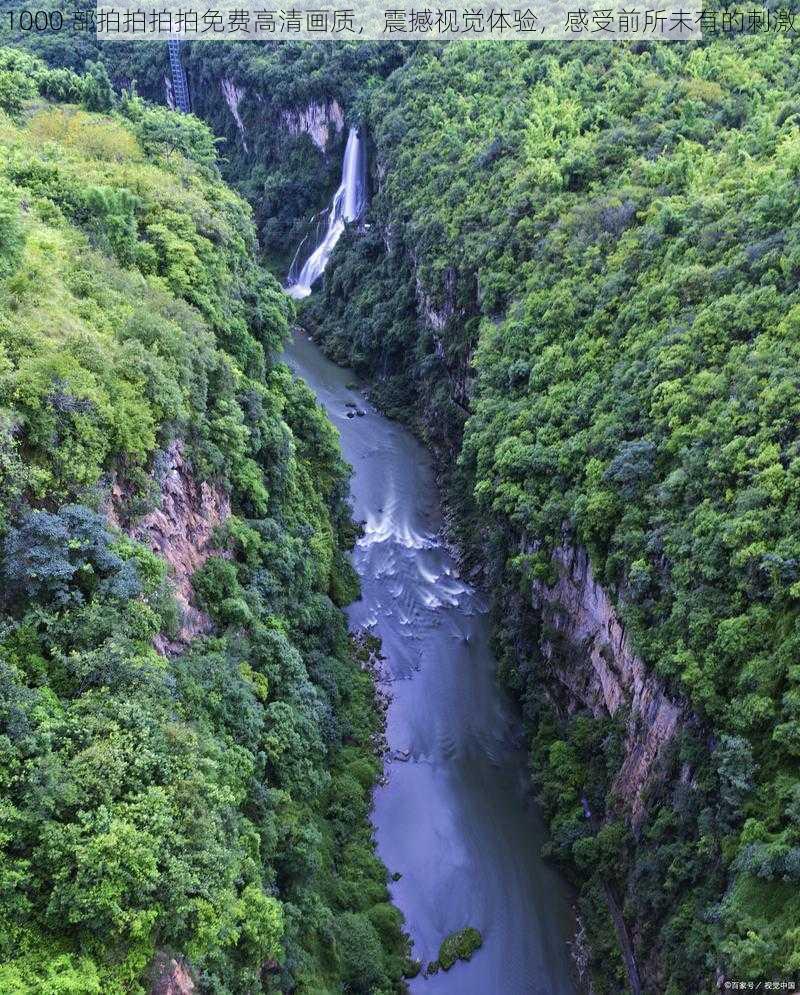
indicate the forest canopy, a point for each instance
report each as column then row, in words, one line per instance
column 578, row 281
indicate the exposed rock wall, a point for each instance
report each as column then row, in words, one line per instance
column 233, row 96
column 437, row 318
column 171, row 976
column 180, row 531
column 587, row 643
column 317, row 120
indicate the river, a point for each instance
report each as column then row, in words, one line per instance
column 455, row 817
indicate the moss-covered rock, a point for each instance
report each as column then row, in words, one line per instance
column 412, row 968
column 459, row 946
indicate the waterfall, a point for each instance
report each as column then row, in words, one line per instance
column 293, row 271
column 348, row 204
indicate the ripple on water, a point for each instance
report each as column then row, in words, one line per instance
column 385, row 528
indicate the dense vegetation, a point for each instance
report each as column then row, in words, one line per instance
column 458, row 946
column 593, row 269
column 211, row 805
column 580, row 285
column 283, row 175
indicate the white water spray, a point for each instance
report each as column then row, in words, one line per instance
column 348, row 204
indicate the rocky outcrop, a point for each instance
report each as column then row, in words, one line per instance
column 171, row 976
column 592, row 657
column 233, row 96
column 437, row 317
column 317, row 120
column 181, row 532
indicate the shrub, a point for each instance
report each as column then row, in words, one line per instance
column 65, row 558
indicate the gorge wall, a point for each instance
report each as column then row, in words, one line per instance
column 181, row 531
column 591, row 655
column 533, row 294
column 561, row 641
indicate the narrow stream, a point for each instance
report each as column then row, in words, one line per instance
column 455, row 818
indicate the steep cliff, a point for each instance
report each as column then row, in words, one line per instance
column 321, row 121
column 180, row 530
column 233, row 97
column 591, row 657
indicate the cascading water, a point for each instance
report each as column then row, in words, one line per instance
column 293, row 270
column 348, row 204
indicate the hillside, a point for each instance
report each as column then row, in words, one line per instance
column 187, row 729
column 584, row 271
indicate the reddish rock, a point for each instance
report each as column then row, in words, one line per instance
column 171, row 976
column 181, row 532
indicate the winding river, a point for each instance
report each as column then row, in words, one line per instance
column 455, row 817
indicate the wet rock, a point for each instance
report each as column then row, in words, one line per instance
column 360, row 413
column 233, row 97
column 351, row 414
column 402, row 755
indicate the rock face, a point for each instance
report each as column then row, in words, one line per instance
column 593, row 659
column 317, row 120
column 233, row 96
column 181, row 532
column 437, row 318
column 170, row 976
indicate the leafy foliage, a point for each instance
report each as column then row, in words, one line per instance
column 459, row 946
column 594, row 255
column 580, row 287
column 213, row 803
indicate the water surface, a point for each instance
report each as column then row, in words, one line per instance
column 455, row 817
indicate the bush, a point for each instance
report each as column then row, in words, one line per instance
column 65, row 558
